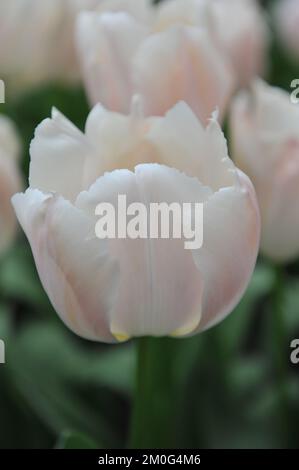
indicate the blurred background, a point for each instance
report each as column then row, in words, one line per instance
column 234, row 386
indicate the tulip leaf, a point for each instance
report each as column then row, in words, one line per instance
column 18, row 277
column 75, row 440
column 52, row 371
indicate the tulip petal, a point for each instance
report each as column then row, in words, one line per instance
column 148, row 303
column 139, row 9
column 181, row 134
column 230, row 247
column 187, row 12
column 78, row 276
column 182, row 64
column 119, row 141
column 57, row 151
column 280, row 220
column 107, row 43
column 265, row 130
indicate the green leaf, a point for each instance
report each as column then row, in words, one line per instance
column 54, row 374
column 18, row 277
column 291, row 305
column 75, row 440
column 52, row 346
column 5, row 322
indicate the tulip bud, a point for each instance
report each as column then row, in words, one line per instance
column 265, row 145
column 116, row 288
column 120, row 57
column 9, row 180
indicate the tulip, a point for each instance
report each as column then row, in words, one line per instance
column 237, row 27
column 121, row 56
column 111, row 290
column 265, row 144
column 286, row 18
column 36, row 41
column 9, row 181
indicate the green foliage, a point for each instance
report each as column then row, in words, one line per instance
column 71, row 440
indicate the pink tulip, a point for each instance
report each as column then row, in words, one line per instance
column 121, row 56
column 265, row 143
column 36, row 41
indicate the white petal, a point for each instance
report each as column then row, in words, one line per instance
column 173, row 12
column 280, row 214
column 241, row 32
column 58, row 154
column 120, row 142
column 276, row 116
column 152, row 271
column 106, row 44
column 183, row 143
column 265, row 129
column 142, row 10
column 182, row 64
column 230, row 247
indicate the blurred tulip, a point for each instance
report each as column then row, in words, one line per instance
column 110, row 290
column 10, row 180
column 237, row 27
column 265, row 144
column 36, row 41
column 286, row 16
column 120, row 57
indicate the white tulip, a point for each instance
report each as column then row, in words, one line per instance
column 36, row 41
column 121, row 56
column 265, row 144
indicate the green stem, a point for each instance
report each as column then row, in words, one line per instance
column 153, row 414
